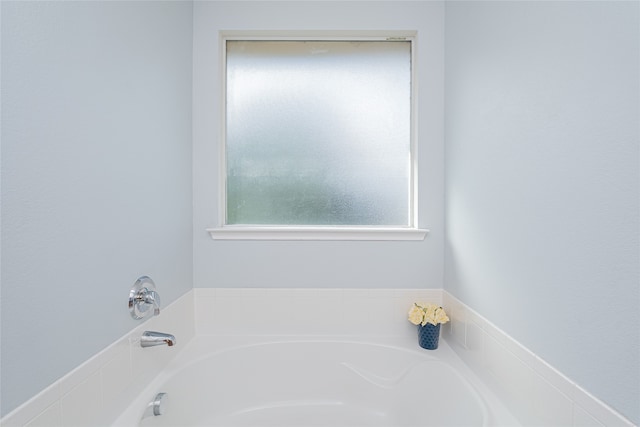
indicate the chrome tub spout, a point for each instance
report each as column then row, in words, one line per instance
column 151, row 339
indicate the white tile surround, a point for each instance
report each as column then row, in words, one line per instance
column 535, row 392
column 306, row 311
column 96, row 392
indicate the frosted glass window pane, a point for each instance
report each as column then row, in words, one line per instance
column 318, row 133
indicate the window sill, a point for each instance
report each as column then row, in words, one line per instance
column 315, row 233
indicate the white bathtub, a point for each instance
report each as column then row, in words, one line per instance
column 270, row 381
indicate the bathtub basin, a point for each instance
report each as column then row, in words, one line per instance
column 226, row 381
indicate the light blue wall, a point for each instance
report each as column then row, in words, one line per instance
column 96, row 176
column 543, row 182
column 317, row 264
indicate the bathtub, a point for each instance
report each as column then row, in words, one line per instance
column 289, row 381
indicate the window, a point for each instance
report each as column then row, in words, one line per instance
column 318, row 135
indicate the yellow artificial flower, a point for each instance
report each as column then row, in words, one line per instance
column 429, row 314
column 421, row 314
column 441, row 316
column 416, row 314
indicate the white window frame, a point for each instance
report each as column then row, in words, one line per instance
column 266, row 232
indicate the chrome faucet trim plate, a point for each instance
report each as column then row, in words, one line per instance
column 143, row 298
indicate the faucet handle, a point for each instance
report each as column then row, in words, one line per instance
column 153, row 298
column 143, row 297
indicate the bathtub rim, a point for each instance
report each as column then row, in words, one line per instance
column 207, row 346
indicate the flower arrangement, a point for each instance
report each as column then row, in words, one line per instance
column 422, row 313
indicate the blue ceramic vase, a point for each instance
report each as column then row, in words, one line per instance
column 428, row 336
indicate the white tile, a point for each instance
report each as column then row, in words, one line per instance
column 355, row 294
column 81, row 405
column 319, row 314
column 474, row 344
column 474, row 333
column 521, row 375
column 205, row 312
column 355, row 312
column 229, row 316
column 113, row 364
column 519, row 350
column 116, row 350
column 554, row 377
column 277, row 315
column 513, row 378
column 599, row 410
column 458, row 318
column 472, row 316
column 240, row 317
column 400, row 309
column 551, row 407
column 14, row 419
column 282, row 294
column 495, row 333
column 534, row 390
column 33, row 407
column 454, row 308
column 356, row 316
column 79, row 374
column 382, row 293
column 431, row 296
column 116, row 373
column 300, row 292
column 253, row 311
column 147, row 362
column 265, row 313
column 448, row 299
column 253, row 292
column 183, row 318
column 108, row 353
column 464, row 332
column 446, row 331
column 384, row 318
column 410, row 296
column 310, row 311
column 165, row 322
column 50, row 417
column 206, row 292
column 582, row 419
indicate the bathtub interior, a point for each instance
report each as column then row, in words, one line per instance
column 296, row 382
